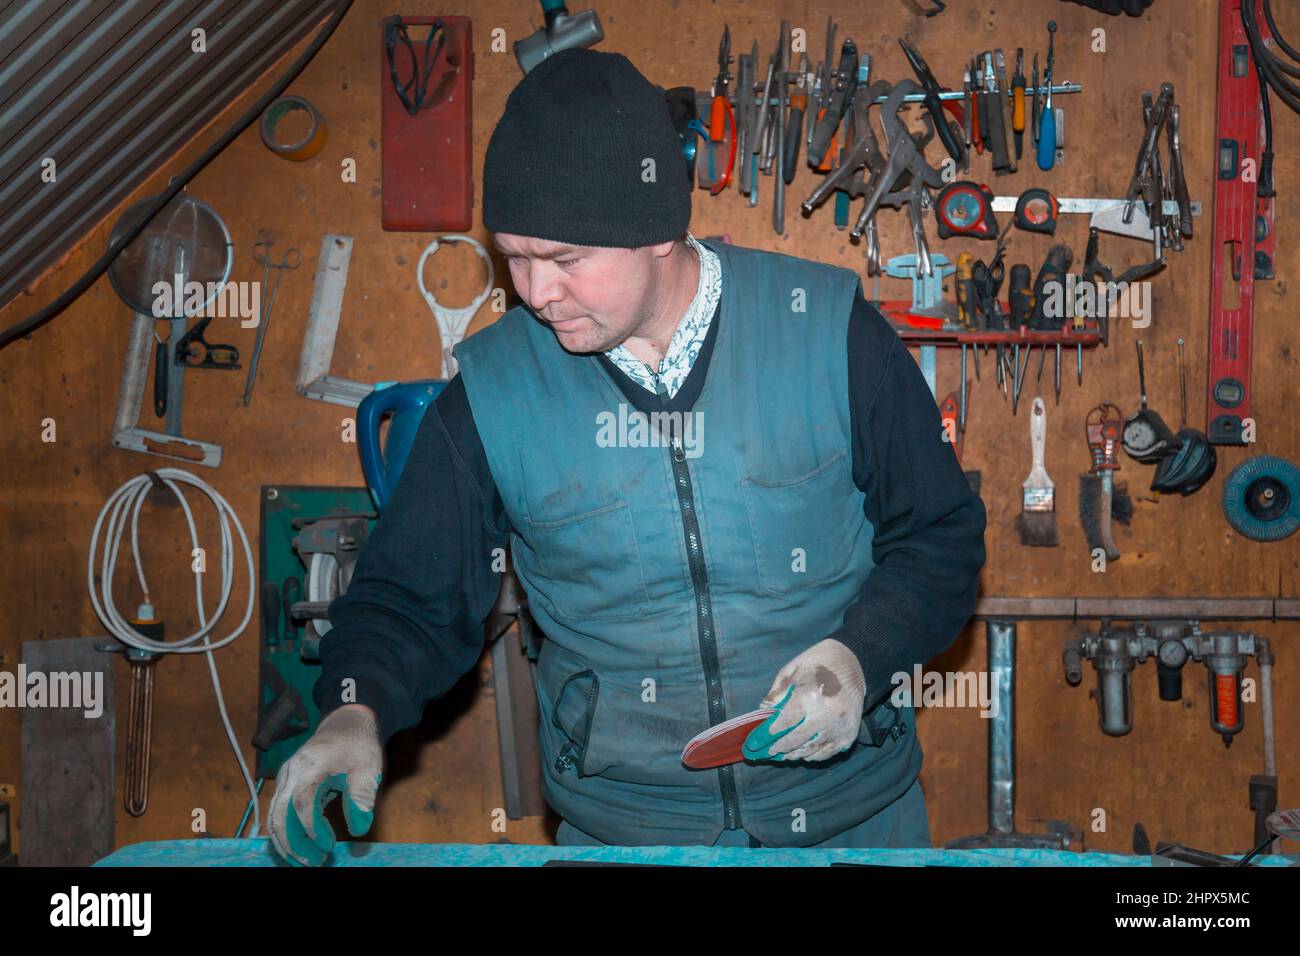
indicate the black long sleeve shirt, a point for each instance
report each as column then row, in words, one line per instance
column 411, row 622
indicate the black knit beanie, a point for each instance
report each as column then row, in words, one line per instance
column 568, row 161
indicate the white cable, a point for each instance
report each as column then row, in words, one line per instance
column 131, row 496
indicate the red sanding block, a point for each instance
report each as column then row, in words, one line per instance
column 721, row 745
column 427, row 156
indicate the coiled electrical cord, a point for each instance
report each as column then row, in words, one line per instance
column 128, row 499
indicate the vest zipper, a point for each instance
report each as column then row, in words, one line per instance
column 704, row 619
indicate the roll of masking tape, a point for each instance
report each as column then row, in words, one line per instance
column 301, row 147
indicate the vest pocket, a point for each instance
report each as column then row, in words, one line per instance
column 881, row 723
column 801, row 535
column 572, row 712
column 591, row 564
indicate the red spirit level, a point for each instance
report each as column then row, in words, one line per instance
column 1243, row 239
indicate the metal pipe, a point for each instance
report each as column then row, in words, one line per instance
column 1264, row 658
column 1002, row 740
column 1136, row 609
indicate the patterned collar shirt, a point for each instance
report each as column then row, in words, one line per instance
column 686, row 341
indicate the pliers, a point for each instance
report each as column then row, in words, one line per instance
column 955, row 147
column 845, row 82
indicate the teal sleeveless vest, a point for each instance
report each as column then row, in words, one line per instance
column 673, row 579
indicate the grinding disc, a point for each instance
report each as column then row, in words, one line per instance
column 721, row 745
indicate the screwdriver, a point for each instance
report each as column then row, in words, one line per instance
column 1057, row 264
column 1047, row 131
column 1022, row 302
column 1054, row 270
column 1018, row 102
column 966, row 305
column 988, row 280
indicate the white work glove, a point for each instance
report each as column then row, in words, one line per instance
column 818, row 697
column 344, row 756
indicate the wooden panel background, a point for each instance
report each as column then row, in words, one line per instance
column 1172, row 772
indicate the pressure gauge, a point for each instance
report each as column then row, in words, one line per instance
column 1170, row 658
column 1173, row 654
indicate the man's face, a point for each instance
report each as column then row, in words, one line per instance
column 592, row 297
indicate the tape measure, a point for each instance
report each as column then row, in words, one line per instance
column 966, row 209
column 1036, row 211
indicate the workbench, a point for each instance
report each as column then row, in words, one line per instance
column 258, row 852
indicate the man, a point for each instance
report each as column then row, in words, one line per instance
column 723, row 483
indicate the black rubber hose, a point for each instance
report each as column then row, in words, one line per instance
column 1274, row 60
column 1280, row 40
column 1288, row 92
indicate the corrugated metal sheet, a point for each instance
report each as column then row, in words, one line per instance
column 110, row 91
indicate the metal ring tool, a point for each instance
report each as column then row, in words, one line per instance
column 452, row 323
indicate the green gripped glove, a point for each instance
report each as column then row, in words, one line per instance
column 759, row 742
column 818, row 696
column 345, row 757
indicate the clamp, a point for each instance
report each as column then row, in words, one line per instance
column 905, row 156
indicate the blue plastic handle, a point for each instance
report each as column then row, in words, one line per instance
column 406, row 402
column 1047, row 139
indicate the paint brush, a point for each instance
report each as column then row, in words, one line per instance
column 1037, row 521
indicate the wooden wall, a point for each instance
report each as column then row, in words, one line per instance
column 1171, row 772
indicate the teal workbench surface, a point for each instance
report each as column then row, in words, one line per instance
column 258, row 852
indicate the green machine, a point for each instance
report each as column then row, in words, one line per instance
column 310, row 539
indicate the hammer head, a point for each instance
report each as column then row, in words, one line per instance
column 563, row 31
